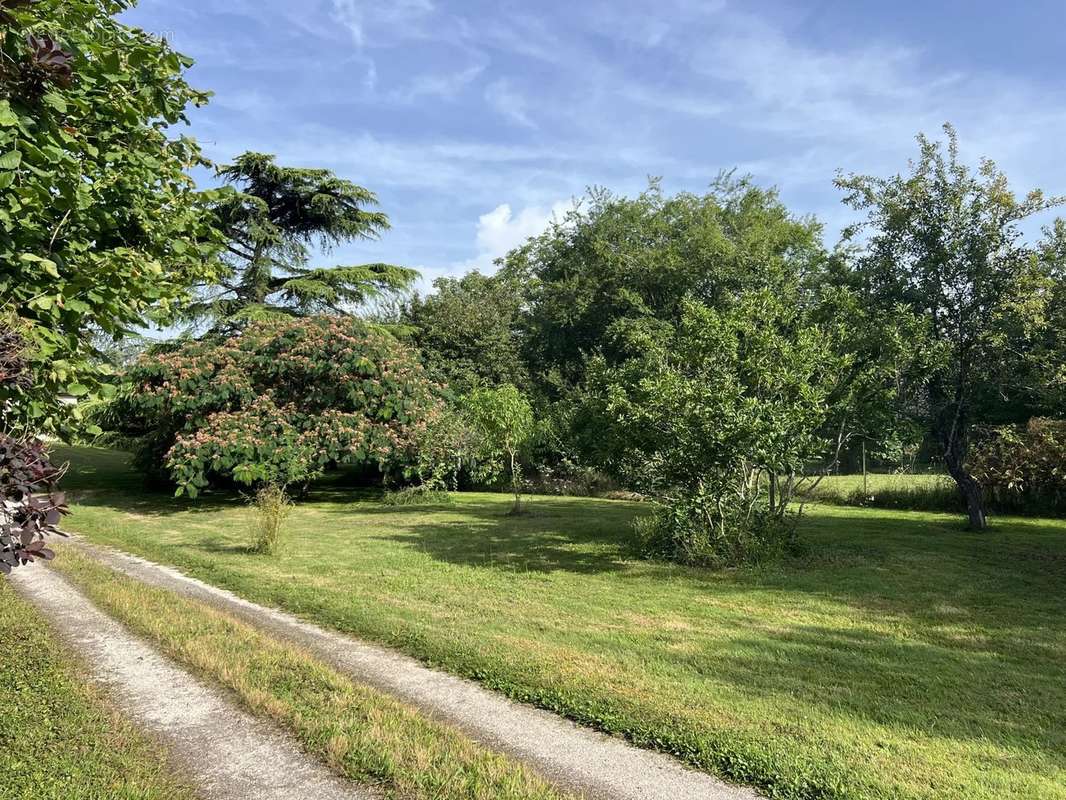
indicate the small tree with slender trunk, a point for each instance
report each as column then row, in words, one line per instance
column 944, row 243
column 504, row 418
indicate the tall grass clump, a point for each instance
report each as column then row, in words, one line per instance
column 271, row 506
column 421, row 495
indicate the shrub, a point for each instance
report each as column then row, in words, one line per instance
column 280, row 403
column 272, row 506
column 1023, row 468
column 419, row 495
column 718, row 420
column 682, row 533
column 31, row 506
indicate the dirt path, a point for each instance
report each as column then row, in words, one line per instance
column 226, row 753
column 572, row 757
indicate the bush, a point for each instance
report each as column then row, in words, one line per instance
column 1023, row 469
column 684, row 534
column 420, row 495
column 272, row 506
column 280, row 403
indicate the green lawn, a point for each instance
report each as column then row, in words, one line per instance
column 58, row 739
column 361, row 733
column 902, row 658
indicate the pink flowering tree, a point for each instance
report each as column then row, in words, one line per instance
column 280, row 404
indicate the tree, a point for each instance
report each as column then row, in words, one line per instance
column 100, row 226
column 468, row 331
column 718, row 420
column 271, row 220
column 614, row 263
column 944, row 244
column 279, row 403
column 504, row 418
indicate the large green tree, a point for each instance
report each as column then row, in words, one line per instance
column 616, row 262
column 719, row 419
column 100, row 225
column 468, row 331
column 272, row 219
column 944, row 243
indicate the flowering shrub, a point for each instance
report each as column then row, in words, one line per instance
column 280, row 403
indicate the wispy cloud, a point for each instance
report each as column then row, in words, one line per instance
column 471, row 120
column 502, row 96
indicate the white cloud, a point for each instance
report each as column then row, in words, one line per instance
column 512, row 105
column 349, row 14
column 501, row 230
column 443, row 85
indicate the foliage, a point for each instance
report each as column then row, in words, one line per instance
column 719, row 420
column 448, row 444
column 31, row 506
column 280, row 403
column 100, row 225
column 468, row 331
column 945, row 244
column 504, row 418
column 271, row 221
column 615, row 263
column 1023, row 466
column 271, row 507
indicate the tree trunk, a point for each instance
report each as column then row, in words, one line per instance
column 969, row 489
column 971, row 493
column 516, row 483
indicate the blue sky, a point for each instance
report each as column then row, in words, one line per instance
column 473, row 121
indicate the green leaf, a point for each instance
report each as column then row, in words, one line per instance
column 77, row 390
column 10, row 159
column 7, row 116
column 55, row 101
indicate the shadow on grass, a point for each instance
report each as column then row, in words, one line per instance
column 556, row 535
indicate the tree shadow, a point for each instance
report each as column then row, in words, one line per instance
column 562, row 536
column 154, row 503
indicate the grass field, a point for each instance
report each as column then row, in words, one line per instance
column 363, row 734
column 925, row 491
column 901, row 658
column 840, row 486
column 58, row 739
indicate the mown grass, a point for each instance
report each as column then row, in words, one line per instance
column 59, row 739
column 903, row 657
column 360, row 732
